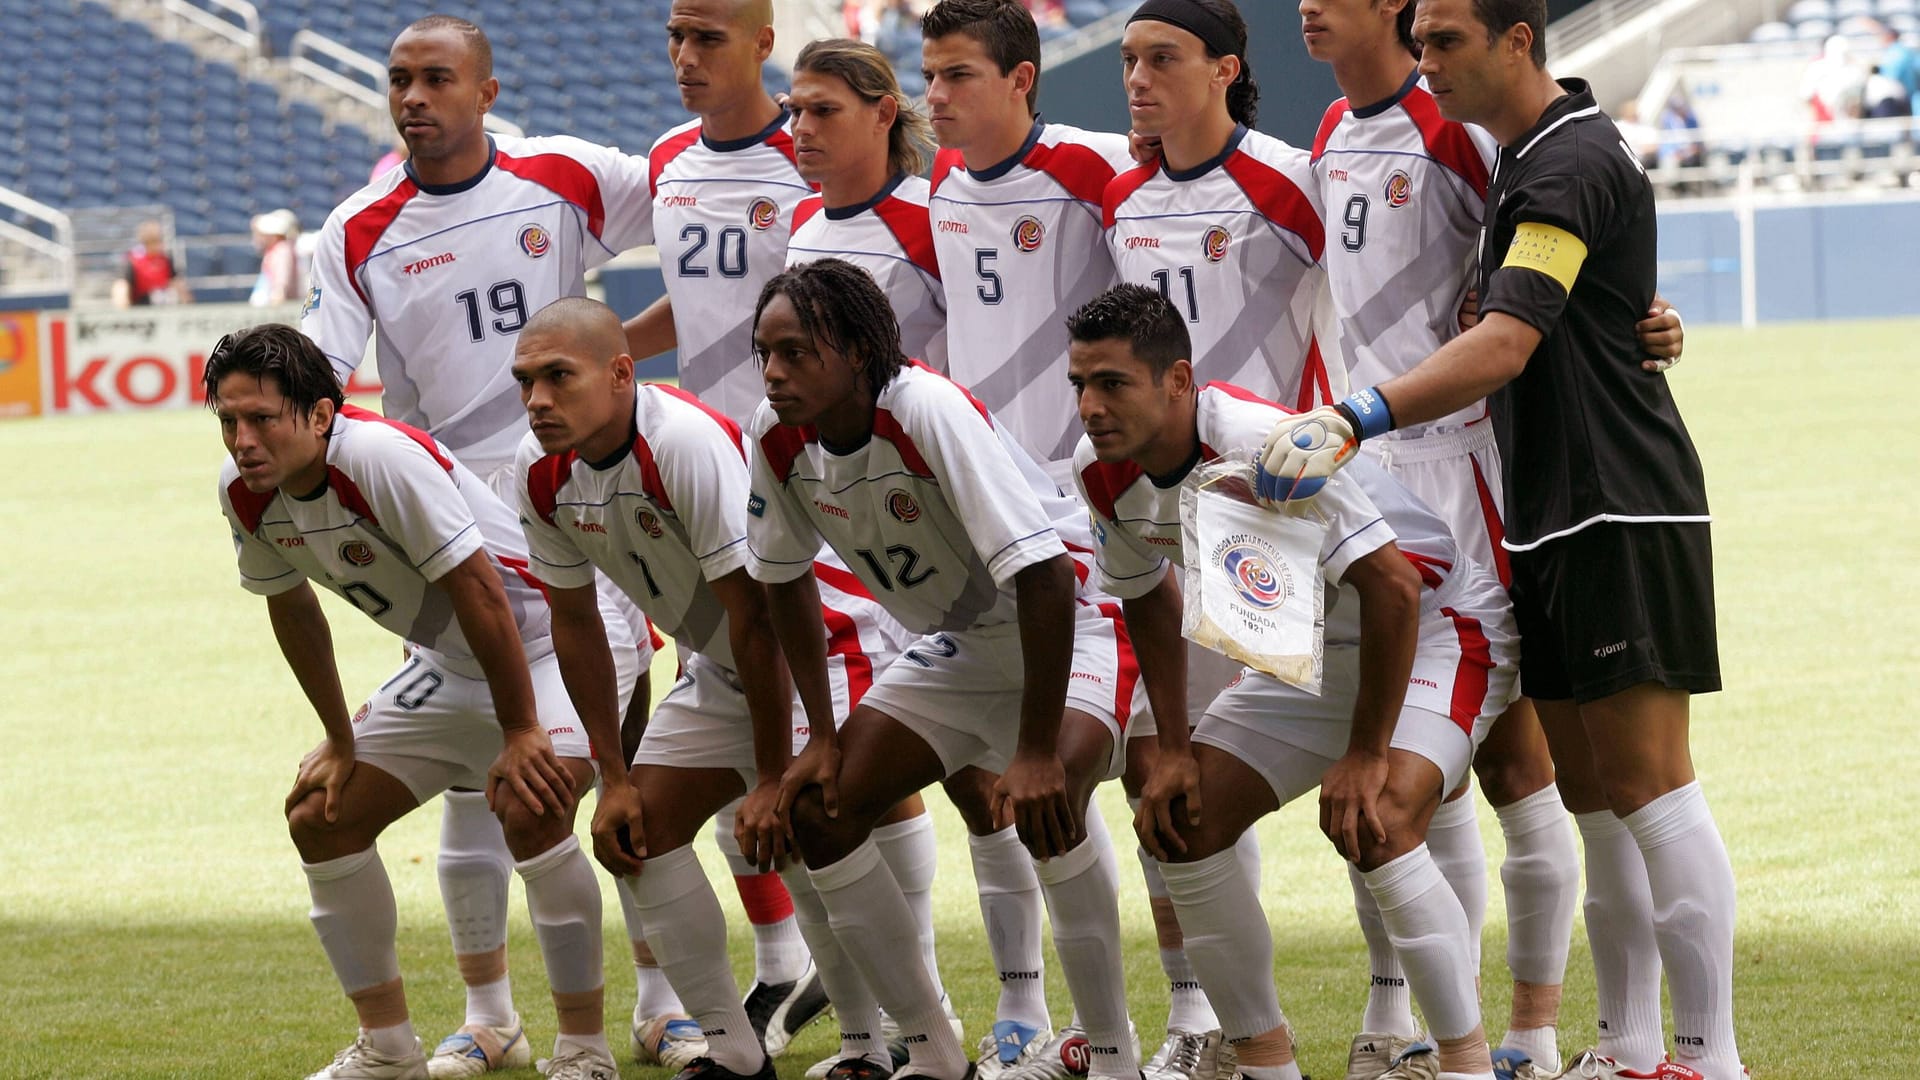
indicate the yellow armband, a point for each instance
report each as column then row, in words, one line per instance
column 1552, row 251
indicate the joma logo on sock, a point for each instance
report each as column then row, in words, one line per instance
column 914, row 1039
column 1382, row 980
column 848, row 1036
column 1689, row 1040
column 1014, row 976
column 1185, row 984
column 713, row 1033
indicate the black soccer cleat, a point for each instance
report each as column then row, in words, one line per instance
column 778, row 1011
column 859, row 1068
column 705, row 1068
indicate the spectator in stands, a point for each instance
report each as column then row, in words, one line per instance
column 1679, row 143
column 1899, row 63
column 149, row 276
column 276, row 234
column 1833, row 83
column 1048, row 13
column 1884, row 96
column 1640, row 136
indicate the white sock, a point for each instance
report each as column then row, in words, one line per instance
column 1453, row 839
column 1540, row 1044
column 1010, row 907
column 396, row 1041
column 353, row 911
column 1691, row 880
column 1228, row 941
column 779, row 952
column 653, row 994
column 1541, row 876
column 1429, row 930
column 1082, row 891
column 596, row 1043
column 688, row 935
column 1389, row 1006
column 875, row 928
column 1187, row 1006
column 474, row 866
column 908, row 847
column 1626, row 959
column 563, row 897
column 853, row 1003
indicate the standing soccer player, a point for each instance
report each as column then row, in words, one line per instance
column 1611, row 560
column 1419, row 648
column 378, row 513
column 957, row 533
column 441, row 262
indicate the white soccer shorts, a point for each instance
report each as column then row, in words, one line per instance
column 1458, row 475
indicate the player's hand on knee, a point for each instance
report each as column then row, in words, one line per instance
column 818, row 765
column 1662, row 336
column 1034, row 789
column 1301, row 452
column 759, row 828
column 528, row 770
column 1174, row 777
column 1350, row 803
column 325, row 769
column 619, row 833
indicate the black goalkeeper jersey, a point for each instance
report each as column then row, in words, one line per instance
column 1568, row 246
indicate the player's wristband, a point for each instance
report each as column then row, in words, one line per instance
column 1367, row 412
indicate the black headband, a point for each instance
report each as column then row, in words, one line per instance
column 1194, row 19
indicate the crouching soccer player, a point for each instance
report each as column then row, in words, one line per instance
column 318, row 491
column 1419, row 658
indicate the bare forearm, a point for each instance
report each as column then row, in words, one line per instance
column 1044, row 593
column 586, row 666
column 651, row 332
column 300, row 627
column 1462, row 371
column 1389, row 632
column 480, row 603
column 1153, row 623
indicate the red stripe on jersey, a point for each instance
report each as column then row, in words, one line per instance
column 804, row 212
column 888, row 428
column 650, row 482
column 564, row 177
column 1084, row 173
column 913, row 228
column 732, row 429
column 1126, row 669
column 424, row 440
column 653, row 635
column 349, row 494
column 544, row 479
column 843, row 641
column 1470, row 678
column 525, row 570
column 1122, row 189
column 944, row 162
column 1105, row 482
column 1433, row 572
column 985, row 413
column 782, row 444
column 1447, row 142
column 1496, row 529
column 1335, row 113
column 364, row 229
column 1241, row 393
column 664, row 153
column 1313, row 380
column 1278, row 200
column 249, row 506
column 782, row 140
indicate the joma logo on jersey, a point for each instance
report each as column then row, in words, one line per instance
column 901, row 505
column 357, row 553
column 1163, row 541
column 535, row 241
column 1028, row 233
column 763, row 213
column 648, row 523
column 952, row 226
column 679, row 200
column 365, row 708
column 590, row 527
column 1142, row 242
column 290, row 541
column 1399, row 189
column 1337, row 174
column 1214, row 244
column 831, row 510
column 424, row 265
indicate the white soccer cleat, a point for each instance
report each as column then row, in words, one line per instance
column 578, row 1063
column 361, row 1061
column 1593, row 1065
column 1188, row 1055
column 1417, row 1062
column 477, row 1049
column 671, row 1040
column 1373, row 1053
column 1515, row 1065
column 1065, row 1057
column 1009, row 1045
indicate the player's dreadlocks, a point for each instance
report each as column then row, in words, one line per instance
column 839, row 305
column 281, row 353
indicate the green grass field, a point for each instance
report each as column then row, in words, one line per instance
column 153, row 920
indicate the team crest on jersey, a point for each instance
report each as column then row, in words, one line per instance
column 313, row 301
column 1257, row 574
column 763, row 213
column 902, row 506
column 1028, row 233
column 357, row 553
column 1399, row 189
column 535, row 241
column 1214, row 243
column 648, row 522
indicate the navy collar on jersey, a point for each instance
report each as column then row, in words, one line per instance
column 727, row 146
column 614, row 459
column 1178, row 476
column 458, row 186
column 842, row 213
column 1207, row 166
column 1378, row 107
column 1578, row 98
column 995, row 172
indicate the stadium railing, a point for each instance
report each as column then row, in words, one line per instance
column 47, row 263
column 320, row 58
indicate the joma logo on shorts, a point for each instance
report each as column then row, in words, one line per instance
column 1428, row 683
column 1605, row 651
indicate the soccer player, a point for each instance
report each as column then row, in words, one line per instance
column 1226, row 222
column 441, row 263
column 648, row 486
column 1419, row 651
column 378, row 513
column 957, row 534
column 1611, row 560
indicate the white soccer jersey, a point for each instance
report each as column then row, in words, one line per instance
column 396, row 514
column 1021, row 248
column 444, row 277
column 722, row 211
column 1138, row 520
column 890, row 237
column 1404, row 190
column 1234, row 245
column 936, row 513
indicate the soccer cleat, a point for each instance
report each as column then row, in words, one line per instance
column 705, row 1068
column 1373, row 1053
column 1593, row 1065
column 1417, row 1062
column 361, row 1061
column 670, row 1039
column 579, row 1063
column 1064, row 1057
column 1188, row 1055
column 1515, row 1065
column 778, row 1011
column 477, row 1049
column 1009, row 1044
column 857, row 1068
